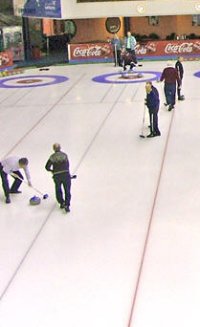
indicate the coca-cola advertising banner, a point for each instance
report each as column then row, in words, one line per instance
column 103, row 51
column 183, row 48
column 6, row 59
column 90, row 52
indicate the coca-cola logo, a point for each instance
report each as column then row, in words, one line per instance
column 185, row 47
column 141, row 50
column 151, row 47
column 145, row 49
column 91, row 51
column 196, row 46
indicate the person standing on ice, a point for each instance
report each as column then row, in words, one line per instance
column 128, row 53
column 116, row 46
column 152, row 102
column 58, row 164
column 11, row 166
column 171, row 79
column 180, row 70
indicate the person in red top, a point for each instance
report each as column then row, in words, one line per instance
column 171, row 80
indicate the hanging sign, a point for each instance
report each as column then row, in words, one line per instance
column 42, row 8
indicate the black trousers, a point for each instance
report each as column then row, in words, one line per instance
column 153, row 118
column 63, row 182
column 179, row 90
column 5, row 184
column 117, row 57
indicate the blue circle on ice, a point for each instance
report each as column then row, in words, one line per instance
column 35, row 81
column 110, row 78
column 197, row 74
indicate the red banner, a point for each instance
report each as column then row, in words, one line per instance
column 90, row 51
column 103, row 51
column 6, row 59
column 168, row 48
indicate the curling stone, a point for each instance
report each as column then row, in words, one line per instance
column 35, row 200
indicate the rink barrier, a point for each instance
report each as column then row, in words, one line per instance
column 148, row 50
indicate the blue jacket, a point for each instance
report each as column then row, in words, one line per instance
column 152, row 99
column 116, row 43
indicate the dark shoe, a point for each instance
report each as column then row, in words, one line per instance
column 170, row 107
column 15, row 192
column 165, row 104
column 62, row 205
column 67, row 209
column 7, row 200
column 157, row 134
column 132, row 65
column 151, row 135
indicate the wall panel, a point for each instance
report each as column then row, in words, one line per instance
column 72, row 9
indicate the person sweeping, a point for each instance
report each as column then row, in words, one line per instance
column 58, row 164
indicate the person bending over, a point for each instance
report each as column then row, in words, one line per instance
column 11, row 166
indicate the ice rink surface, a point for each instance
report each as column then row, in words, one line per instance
column 127, row 255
